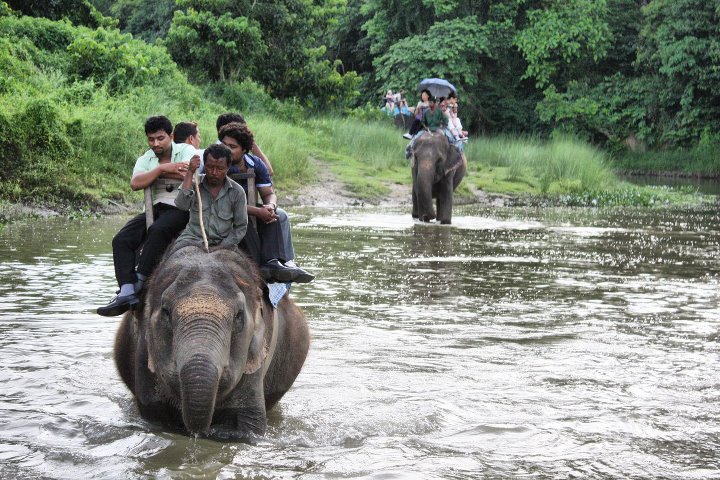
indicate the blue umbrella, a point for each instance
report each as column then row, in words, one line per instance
column 437, row 86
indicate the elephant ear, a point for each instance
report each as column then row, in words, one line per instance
column 257, row 350
column 454, row 160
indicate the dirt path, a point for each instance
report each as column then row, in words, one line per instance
column 331, row 192
column 328, row 191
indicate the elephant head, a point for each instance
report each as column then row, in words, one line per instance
column 205, row 333
column 437, row 170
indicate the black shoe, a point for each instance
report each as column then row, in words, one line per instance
column 273, row 271
column 303, row 276
column 118, row 305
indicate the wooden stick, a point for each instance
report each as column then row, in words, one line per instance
column 200, row 210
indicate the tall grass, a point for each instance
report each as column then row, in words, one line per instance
column 557, row 166
column 703, row 159
column 288, row 147
column 372, row 142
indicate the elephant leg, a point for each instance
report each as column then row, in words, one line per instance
column 293, row 343
column 414, row 195
column 243, row 413
column 124, row 351
column 445, row 199
column 423, row 179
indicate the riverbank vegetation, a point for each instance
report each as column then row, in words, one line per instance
column 627, row 87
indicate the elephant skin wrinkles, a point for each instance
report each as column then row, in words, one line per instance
column 206, row 327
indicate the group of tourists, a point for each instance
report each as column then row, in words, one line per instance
column 395, row 103
column 174, row 155
column 434, row 114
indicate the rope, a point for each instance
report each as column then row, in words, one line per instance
column 200, row 210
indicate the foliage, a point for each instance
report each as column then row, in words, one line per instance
column 666, row 98
column 71, row 125
column 207, row 45
column 146, row 20
column 274, row 43
column 683, row 51
column 447, row 50
column 79, row 12
column 561, row 34
column 116, row 60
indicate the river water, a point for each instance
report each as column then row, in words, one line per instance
column 531, row 343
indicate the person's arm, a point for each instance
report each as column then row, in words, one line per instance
column 185, row 194
column 240, row 220
column 424, row 120
column 266, row 213
column 142, row 180
column 259, row 153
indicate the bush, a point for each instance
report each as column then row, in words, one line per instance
column 53, row 36
column 116, row 60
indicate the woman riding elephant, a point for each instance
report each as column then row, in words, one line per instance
column 208, row 353
column 437, row 169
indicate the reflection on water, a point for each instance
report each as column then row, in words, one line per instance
column 517, row 342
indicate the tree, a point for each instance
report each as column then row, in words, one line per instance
column 79, row 12
column 274, row 43
column 208, row 45
column 563, row 38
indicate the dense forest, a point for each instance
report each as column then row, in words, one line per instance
column 613, row 71
column 78, row 76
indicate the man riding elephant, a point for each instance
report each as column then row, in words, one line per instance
column 208, row 354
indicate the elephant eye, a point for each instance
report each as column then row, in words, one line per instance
column 240, row 319
column 165, row 315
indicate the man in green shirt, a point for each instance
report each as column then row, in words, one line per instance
column 224, row 206
column 434, row 119
column 164, row 159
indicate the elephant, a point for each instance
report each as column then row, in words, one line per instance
column 207, row 353
column 437, row 170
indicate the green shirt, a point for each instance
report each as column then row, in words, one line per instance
column 434, row 120
column 181, row 152
column 224, row 217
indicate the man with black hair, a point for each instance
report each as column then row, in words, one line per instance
column 268, row 244
column 230, row 117
column 164, row 159
column 223, row 202
column 433, row 119
column 187, row 132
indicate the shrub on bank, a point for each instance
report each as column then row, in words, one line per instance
column 72, row 105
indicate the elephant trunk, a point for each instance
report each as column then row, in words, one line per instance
column 423, row 190
column 199, row 379
column 201, row 351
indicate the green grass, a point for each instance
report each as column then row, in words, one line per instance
column 365, row 156
column 71, row 141
column 703, row 160
column 531, row 166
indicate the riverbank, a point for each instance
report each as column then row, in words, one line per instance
column 330, row 192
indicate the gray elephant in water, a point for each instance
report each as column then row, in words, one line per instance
column 437, row 170
column 206, row 353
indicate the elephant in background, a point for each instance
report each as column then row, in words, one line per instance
column 207, row 353
column 437, row 170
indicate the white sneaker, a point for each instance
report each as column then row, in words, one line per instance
column 407, row 136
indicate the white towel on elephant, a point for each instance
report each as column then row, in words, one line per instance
column 276, row 291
